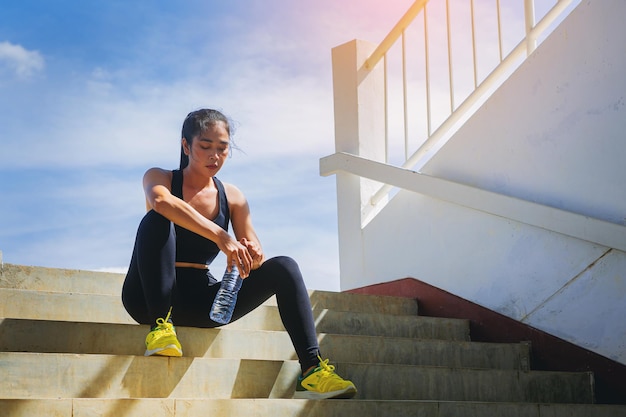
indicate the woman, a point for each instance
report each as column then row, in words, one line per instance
column 186, row 226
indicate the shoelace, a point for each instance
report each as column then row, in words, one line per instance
column 325, row 366
column 327, row 375
column 163, row 324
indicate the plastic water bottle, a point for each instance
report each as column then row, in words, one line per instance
column 224, row 303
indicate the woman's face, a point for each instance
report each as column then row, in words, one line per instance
column 208, row 150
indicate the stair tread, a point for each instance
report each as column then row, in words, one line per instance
column 128, row 376
column 286, row 407
column 50, row 280
column 26, row 304
column 41, row 336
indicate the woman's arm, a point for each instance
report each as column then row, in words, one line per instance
column 156, row 183
column 242, row 224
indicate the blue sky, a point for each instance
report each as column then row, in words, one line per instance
column 94, row 93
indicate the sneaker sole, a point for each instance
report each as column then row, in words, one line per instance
column 169, row 350
column 345, row 393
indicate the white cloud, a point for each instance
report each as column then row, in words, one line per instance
column 273, row 80
column 101, row 125
column 22, row 62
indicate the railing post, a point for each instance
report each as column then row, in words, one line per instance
column 529, row 18
column 359, row 130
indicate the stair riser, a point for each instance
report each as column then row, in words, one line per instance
column 60, row 280
column 42, row 336
column 36, row 305
column 103, row 376
column 292, row 408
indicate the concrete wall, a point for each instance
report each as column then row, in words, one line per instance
column 554, row 133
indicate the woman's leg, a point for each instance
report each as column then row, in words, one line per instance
column 151, row 280
column 282, row 276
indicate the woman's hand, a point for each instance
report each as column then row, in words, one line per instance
column 237, row 254
column 255, row 251
column 242, row 225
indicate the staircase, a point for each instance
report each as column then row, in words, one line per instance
column 68, row 348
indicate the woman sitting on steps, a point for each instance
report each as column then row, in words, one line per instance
column 189, row 211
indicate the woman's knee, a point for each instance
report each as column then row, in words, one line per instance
column 283, row 263
column 152, row 220
column 282, row 270
column 155, row 227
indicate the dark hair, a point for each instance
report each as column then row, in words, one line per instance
column 197, row 122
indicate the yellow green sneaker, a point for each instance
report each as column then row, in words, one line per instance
column 322, row 382
column 162, row 339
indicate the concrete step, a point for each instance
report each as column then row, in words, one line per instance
column 165, row 407
column 50, row 280
column 37, row 278
column 54, row 375
column 45, row 305
column 17, row 335
column 68, row 348
column 95, row 308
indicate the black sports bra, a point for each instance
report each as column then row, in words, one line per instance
column 190, row 246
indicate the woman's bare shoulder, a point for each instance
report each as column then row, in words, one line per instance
column 235, row 195
column 157, row 175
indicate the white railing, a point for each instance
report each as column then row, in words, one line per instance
column 557, row 220
column 436, row 133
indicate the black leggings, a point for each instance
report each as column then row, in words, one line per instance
column 153, row 285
